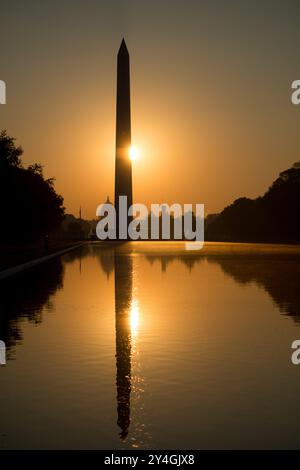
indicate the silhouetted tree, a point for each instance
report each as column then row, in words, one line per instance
column 75, row 231
column 30, row 206
column 274, row 217
column 9, row 153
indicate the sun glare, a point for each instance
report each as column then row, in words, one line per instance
column 134, row 317
column 134, row 153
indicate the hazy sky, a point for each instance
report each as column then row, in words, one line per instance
column 210, row 83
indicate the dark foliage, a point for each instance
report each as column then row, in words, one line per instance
column 30, row 206
column 273, row 217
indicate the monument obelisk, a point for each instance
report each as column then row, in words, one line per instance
column 123, row 173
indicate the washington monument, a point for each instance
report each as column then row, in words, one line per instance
column 123, row 173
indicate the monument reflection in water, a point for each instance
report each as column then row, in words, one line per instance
column 123, row 303
column 95, row 346
column 128, row 379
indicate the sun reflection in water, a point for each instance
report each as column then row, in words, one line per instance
column 134, row 317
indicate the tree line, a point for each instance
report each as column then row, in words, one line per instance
column 30, row 206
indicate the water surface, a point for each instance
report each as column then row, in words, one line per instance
column 146, row 345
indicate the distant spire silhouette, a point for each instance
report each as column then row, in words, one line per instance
column 123, row 172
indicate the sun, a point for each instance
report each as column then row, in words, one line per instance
column 134, row 153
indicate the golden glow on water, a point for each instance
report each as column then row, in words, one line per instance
column 149, row 345
column 134, row 317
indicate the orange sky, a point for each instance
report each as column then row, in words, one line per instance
column 211, row 110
